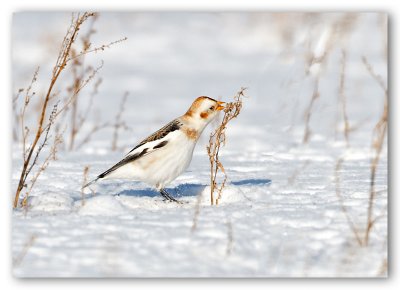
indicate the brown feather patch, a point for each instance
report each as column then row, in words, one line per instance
column 193, row 108
column 203, row 115
column 191, row 133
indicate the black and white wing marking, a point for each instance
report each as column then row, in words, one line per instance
column 160, row 134
column 155, row 141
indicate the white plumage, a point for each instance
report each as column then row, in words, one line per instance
column 164, row 155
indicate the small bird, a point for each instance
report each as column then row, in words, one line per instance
column 164, row 155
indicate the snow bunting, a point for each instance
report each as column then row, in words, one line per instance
column 165, row 154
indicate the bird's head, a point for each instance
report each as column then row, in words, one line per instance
column 204, row 109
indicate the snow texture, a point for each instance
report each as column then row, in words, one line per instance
column 279, row 215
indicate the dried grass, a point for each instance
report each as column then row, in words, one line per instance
column 309, row 111
column 218, row 139
column 292, row 178
column 342, row 98
column 84, row 181
column 349, row 220
column 119, row 122
column 17, row 261
column 79, row 71
column 229, row 245
column 197, row 211
column 378, row 138
column 44, row 129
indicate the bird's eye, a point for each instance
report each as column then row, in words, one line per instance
column 212, row 108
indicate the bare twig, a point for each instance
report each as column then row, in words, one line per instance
column 378, row 138
column 343, row 208
column 83, row 117
column 197, row 210
column 342, row 98
column 308, row 112
column 119, row 123
column 85, row 178
column 16, row 115
column 78, row 72
column 378, row 78
column 296, row 172
column 218, row 138
column 17, row 261
column 42, row 128
column 383, row 269
column 83, row 84
column 97, row 49
column 97, row 127
column 25, row 129
column 229, row 245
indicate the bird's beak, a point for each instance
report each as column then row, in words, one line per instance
column 220, row 106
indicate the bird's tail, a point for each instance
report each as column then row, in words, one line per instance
column 101, row 176
column 90, row 183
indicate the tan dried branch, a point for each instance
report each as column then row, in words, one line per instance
column 79, row 70
column 27, row 99
column 44, row 141
column 197, row 211
column 378, row 138
column 85, row 179
column 97, row 49
column 61, row 63
column 96, row 127
column 308, row 112
column 229, row 245
column 296, row 172
column 83, row 84
column 341, row 203
column 218, row 138
column 119, row 123
column 16, row 115
column 17, row 261
column 342, row 98
column 83, row 117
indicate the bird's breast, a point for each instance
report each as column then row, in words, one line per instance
column 191, row 134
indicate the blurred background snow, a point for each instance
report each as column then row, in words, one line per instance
column 170, row 58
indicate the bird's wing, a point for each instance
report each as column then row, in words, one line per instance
column 154, row 142
column 160, row 134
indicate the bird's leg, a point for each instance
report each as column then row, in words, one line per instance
column 166, row 195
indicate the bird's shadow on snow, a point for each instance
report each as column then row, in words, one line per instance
column 182, row 190
column 252, row 182
column 188, row 189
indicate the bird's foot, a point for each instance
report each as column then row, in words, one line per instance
column 167, row 197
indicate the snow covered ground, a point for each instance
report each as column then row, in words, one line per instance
column 279, row 215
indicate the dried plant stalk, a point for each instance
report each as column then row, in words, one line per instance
column 17, row 261
column 88, row 137
column 60, row 65
column 378, row 138
column 79, row 71
column 197, row 211
column 343, row 208
column 229, row 245
column 119, row 123
column 218, row 138
column 33, row 149
column 85, row 179
column 308, row 112
column 342, row 97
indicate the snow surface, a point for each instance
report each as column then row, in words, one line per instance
column 279, row 215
